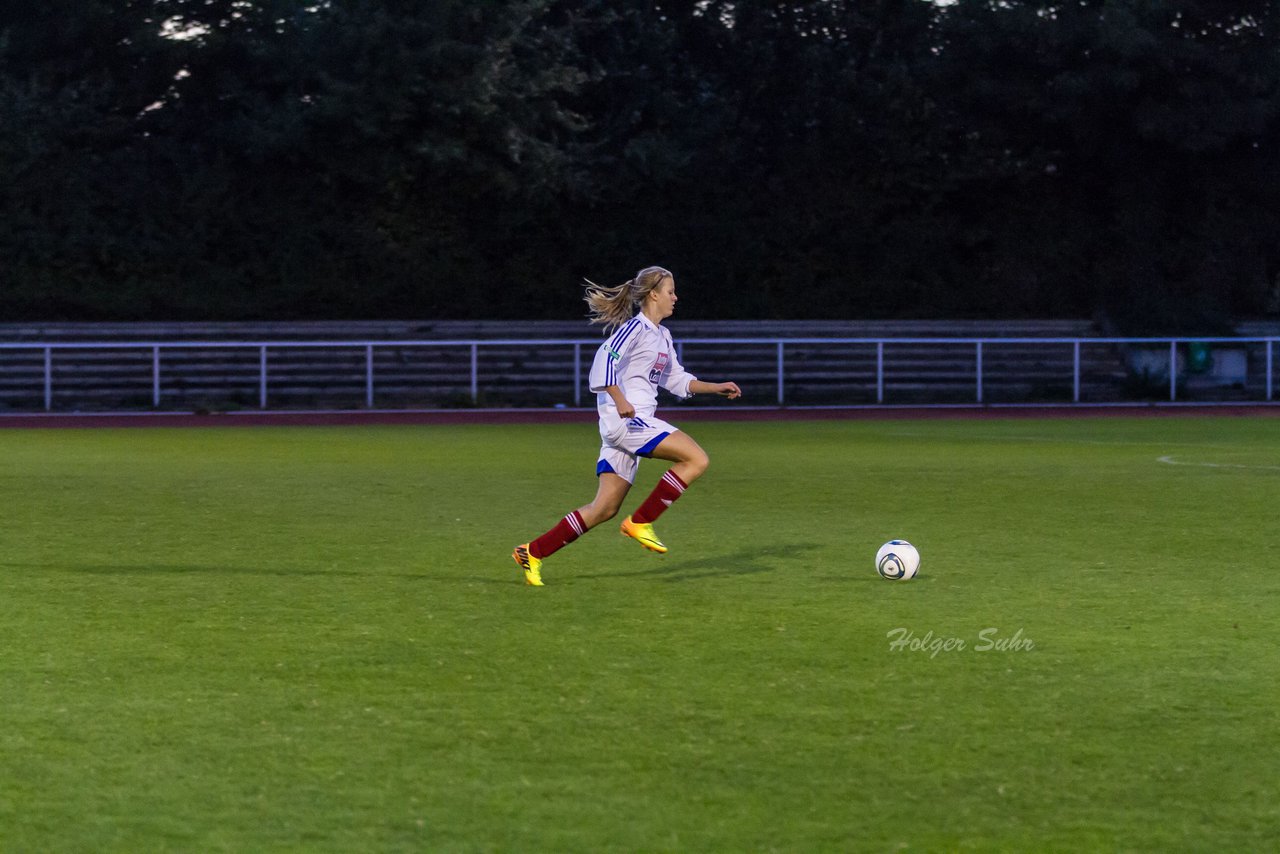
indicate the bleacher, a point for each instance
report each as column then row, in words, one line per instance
column 428, row 364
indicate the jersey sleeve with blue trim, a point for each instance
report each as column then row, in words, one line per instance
column 610, row 361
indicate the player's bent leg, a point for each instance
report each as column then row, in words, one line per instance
column 690, row 460
column 690, row 463
column 610, row 492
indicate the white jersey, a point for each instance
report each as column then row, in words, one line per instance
column 638, row 357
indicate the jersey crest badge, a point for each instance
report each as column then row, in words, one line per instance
column 659, row 365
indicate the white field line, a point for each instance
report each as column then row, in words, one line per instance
column 1170, row 461
column 1058, row 440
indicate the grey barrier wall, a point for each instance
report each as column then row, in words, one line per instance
column 836, row 371
column 104, row 368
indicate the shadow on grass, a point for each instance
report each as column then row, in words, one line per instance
column 510, row 575
column 746, row 561
column 869, row 576
column 742, row 562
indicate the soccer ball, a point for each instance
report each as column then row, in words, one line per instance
column 897, row 560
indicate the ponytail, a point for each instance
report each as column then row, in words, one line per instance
column 609, row 307
column 612, row 307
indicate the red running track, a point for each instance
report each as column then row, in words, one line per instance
column 727, row 412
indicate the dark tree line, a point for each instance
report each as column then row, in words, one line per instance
column 206, row 159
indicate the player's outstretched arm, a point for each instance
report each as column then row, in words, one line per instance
column 729, row 390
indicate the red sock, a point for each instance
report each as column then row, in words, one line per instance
column 669, row 488
column 566, row 531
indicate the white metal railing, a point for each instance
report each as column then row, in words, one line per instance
column 157, row 349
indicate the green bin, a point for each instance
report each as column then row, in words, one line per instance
column 1199, row 357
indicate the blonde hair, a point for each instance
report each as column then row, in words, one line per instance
column 612, row 307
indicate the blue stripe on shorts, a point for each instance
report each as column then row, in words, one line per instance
column 653, row 443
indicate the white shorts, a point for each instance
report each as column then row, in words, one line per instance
column 626, row 441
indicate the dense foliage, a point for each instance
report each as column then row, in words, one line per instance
column 210, row 159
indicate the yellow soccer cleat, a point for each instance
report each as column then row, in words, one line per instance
column 531, row 565
column 642, row 533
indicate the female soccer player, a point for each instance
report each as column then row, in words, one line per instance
column 628, row 368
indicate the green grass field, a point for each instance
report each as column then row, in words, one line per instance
column 314, row 639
